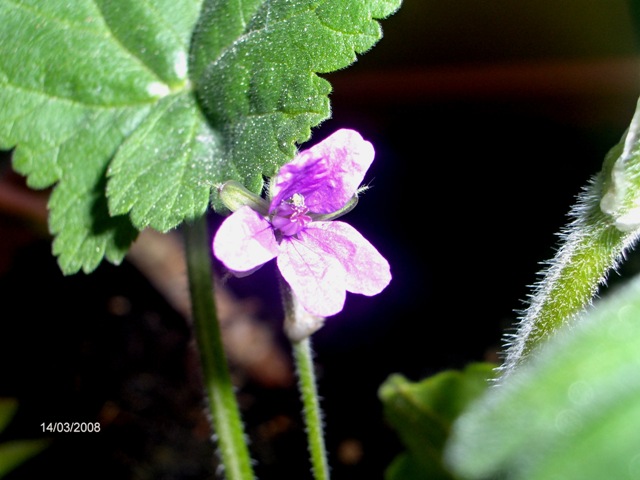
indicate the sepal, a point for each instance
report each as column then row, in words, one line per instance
column 234, row 196
column 350, row 205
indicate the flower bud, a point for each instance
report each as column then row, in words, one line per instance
column 298, row 323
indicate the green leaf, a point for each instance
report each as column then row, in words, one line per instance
column 133, row 111
column 573, row 411
column 76, row 80
column 162, row 179
column 254, row 64
column 422, row 413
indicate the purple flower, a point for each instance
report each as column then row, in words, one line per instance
column 320, row 259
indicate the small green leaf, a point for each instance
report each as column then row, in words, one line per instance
column 422, row 413
column 153, row 103
column 571, row 412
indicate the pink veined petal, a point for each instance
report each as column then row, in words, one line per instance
column 327, row 174
column 303, row 175
column 244, row 241
column 367, row 272
column 317, row 279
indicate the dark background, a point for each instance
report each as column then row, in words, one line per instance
column 487, row 119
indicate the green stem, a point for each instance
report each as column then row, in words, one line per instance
column 592, row 246
column 311, row 408
column 605, row 223
column 225, row 414
column 299, row 325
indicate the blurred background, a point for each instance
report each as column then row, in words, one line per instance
column 487, row 118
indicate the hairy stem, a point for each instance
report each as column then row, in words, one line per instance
column 299, row 325
column 592, row 244
column 223, row 407
column 303, row 357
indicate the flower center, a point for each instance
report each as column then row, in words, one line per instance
column 290, row 217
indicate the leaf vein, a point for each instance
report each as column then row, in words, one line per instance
column 124, row 48
column 161, row 19
column 52, row 97
column 248, row 35
column 61, row 21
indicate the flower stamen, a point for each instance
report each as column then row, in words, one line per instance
column 291, row 216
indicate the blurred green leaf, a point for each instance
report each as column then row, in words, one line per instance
column 16, row 452
column 422, row 413
column 136, row 110
column 8, row 408
column 572, row 412
column 13, row 453
column 407, row 466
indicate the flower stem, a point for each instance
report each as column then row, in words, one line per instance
column 592, row 246
column 299, row 325
column 225, row 413
column 311, row 408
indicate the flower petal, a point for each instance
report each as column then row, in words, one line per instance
column 367, row 272
column 244, row 241
column 317, row 279
column 327, row 174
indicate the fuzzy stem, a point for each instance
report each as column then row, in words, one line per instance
column 299, row 325
column 605, row 223
column 223, row 407
column 592, row 246
column 311, row 408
